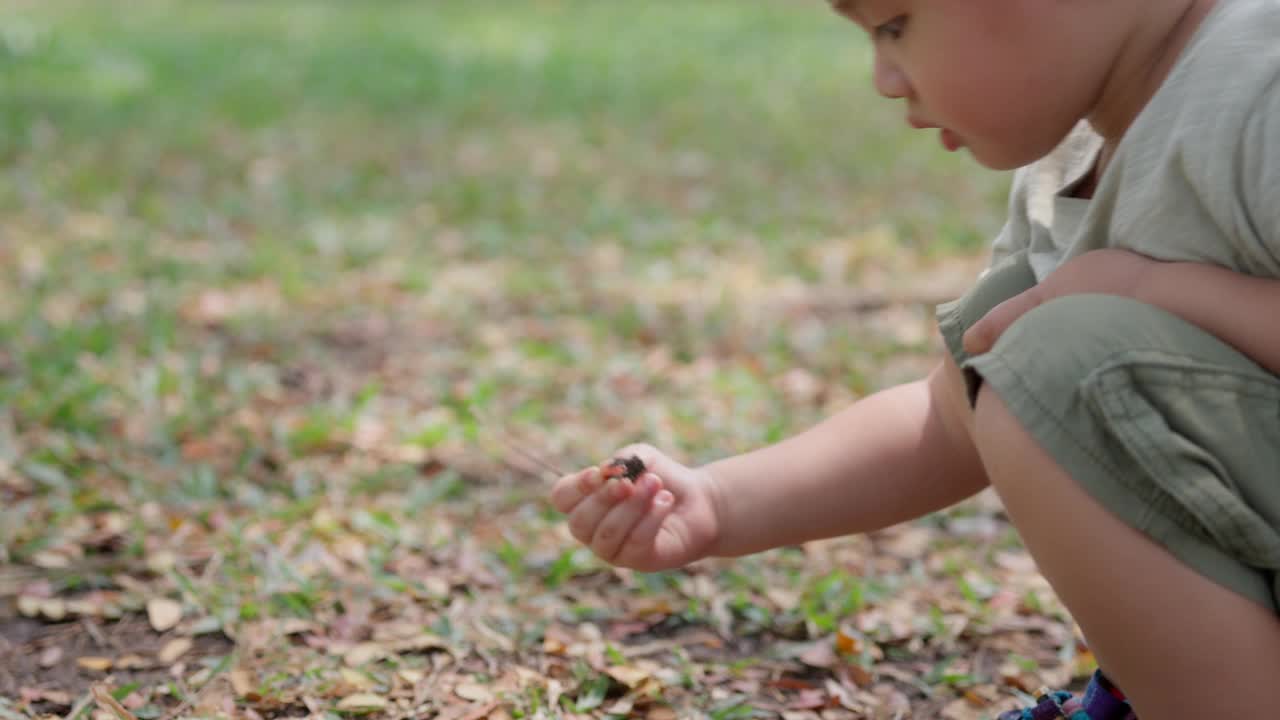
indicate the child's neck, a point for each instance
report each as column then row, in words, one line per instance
column 1147, row 57
column 1145, row 62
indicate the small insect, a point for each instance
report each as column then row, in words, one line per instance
column 630, row 468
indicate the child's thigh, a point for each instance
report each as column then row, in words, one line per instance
column 1174, row 431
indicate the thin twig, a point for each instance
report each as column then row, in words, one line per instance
column 214, row 564
column 98, row 637
column 188, row 698
column 495, row 429
column 110, row 704
column 80, row 706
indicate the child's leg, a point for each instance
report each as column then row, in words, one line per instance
column 1180, row 645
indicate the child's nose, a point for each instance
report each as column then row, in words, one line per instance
column 889, row 79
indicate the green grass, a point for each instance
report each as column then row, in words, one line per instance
column 531, row 127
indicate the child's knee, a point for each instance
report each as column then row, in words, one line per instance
column 1045, row 359
column 992, row 421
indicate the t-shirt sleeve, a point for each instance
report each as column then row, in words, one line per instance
column 1260, row 170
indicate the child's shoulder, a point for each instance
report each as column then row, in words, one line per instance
column 1223, row 98
column 1225, row 83
column 1234, row 56
column 1224, row 87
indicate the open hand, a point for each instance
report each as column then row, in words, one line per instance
column 665, row 519
column 1103, row 272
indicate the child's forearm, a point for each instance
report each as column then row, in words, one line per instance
column 890, row 457
column 1238, row 309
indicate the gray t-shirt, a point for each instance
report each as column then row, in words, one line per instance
column 1195, row 178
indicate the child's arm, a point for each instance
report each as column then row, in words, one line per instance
column 1238, row 309
column 890, row 457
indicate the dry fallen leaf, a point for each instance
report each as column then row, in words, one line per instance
column 628, row 675
column 480, row 711
column 133, row 662
column 555, row 641
column 808, row 700
column 53, row 609
column 174, row 649
column 294, row 626
column 411, row 676
column 436, row 586
column 1014, row 676
column 961, row 709
column 363, row 653
column 356, row 680
column 28, row 606
column 241, row 682
column 622, row 706
column 161, row 561
column 94, row 663
column 50, row 656
column 362, row 701
column 55, row 697
column 848, row 643
column 163, row 613
column 50, row 560
column 819, row 654
column 419, row 643
column 473, row 692
column 858, row 675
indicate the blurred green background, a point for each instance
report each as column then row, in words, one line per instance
column 281, row 151
column 275, row 273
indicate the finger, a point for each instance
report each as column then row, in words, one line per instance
column 672, row 473
column 645, row 532
column 984, row 334
column 614, row 469
column 586, row 517
column 614, row 530
column 977, row 339
column 571, row 489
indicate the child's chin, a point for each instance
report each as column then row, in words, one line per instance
column 996, row 160
column 997, row 157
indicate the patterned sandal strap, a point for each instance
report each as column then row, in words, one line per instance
column 1103, row 702
column 1049, row 706
column 1100, row 702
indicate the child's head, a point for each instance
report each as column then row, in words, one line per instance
column 1009, row 79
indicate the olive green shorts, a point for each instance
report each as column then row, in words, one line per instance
column 1173, row 431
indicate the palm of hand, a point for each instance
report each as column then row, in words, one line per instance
column 666, row 518
column 684, row 536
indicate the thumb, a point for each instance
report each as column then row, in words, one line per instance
column 982, row 335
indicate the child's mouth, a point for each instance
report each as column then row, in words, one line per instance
column 950, row 140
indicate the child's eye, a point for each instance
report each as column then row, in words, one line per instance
column 893, row 29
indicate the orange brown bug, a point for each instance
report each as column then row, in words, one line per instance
column 630, row 468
